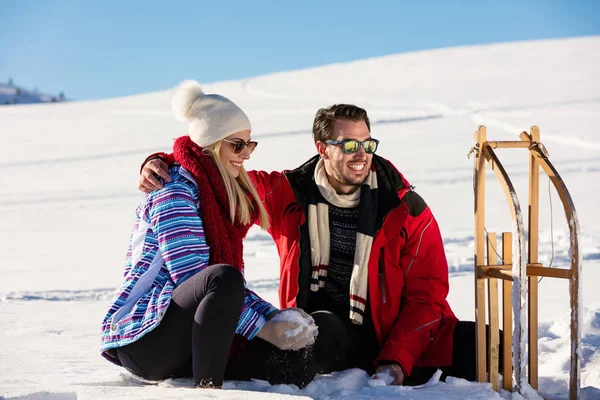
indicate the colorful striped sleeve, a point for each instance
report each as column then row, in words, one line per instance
column 254, row 313
column 173, row 215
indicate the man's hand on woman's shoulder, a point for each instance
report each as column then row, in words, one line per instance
column 151, row 173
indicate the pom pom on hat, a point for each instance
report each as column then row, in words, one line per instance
column 183, row 97
column 212, row 117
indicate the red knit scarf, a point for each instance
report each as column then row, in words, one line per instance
column 224, row 237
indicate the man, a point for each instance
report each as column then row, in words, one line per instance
column 361, row 252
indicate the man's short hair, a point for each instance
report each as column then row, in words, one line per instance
column 326, row 117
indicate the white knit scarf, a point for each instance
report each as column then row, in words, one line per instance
column 318, row 228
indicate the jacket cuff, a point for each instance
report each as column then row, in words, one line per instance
column 379, row 363
column 400, row 357
column 160, row 155
column 257, row 326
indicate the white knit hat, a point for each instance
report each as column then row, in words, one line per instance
column 212, row 117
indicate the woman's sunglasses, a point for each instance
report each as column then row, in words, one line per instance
column 350, row 146
column 239, row 145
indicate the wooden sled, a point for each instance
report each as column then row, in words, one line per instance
column 519, row 271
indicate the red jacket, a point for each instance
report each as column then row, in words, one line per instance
column 408, row 271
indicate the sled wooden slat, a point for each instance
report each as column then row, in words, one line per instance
column 503, row 271
column 493, row 348
column 534, row 272
column 480, row 339
column 492, row 272
column 516, row 144
column 507, row 315
column 532, row 251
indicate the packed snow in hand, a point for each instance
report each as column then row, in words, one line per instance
column 383, row 378
column 305, row 324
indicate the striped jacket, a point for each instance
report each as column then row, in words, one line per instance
column 167, row 246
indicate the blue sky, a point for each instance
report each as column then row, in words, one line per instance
column 99, row 49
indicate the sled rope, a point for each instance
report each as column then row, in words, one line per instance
column 551, row 227
column 492, row 245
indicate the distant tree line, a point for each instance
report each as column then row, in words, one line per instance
column 18, row 92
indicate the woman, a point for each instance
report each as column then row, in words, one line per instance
column 183, row 297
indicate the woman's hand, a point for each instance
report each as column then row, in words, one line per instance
column 289, row 329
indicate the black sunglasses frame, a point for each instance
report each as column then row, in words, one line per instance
column 239, row 145
column 343, row 143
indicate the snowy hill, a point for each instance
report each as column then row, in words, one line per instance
column 11, row 94
column 68, row 192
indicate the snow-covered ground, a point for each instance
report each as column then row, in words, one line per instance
column 68, row 191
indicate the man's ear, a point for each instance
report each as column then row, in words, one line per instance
column 321, row 147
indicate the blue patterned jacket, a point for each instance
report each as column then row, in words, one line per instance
column 167, row 246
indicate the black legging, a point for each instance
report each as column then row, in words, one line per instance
column 195, row 338
column 195, row 333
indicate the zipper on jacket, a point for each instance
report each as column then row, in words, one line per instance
column 427, row 324
column 381, row 268
column 298, row 262
column 382, row 277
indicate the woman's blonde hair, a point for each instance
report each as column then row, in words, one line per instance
column 240, row 206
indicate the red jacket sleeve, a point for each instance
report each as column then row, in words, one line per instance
column 425, row 270
column 269, row 186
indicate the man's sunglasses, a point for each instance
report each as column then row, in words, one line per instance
column 350, row 146
column 239, row 145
